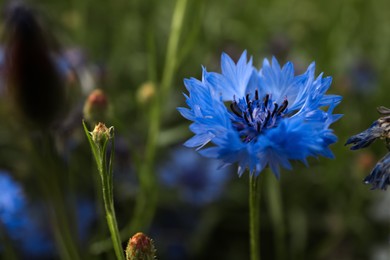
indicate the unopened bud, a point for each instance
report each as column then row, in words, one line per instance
column 32, row 77
column 140, row 247
column 96, row 106
column 145, row 92
column 101, row 134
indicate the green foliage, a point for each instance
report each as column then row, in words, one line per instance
column 328, row 213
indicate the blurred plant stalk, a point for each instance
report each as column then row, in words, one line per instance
column 147, row 178
column 146, row 200
column 276, row 210
column 254, row 217
column 147, row 197
column 98, row 140
column 275, row 206
column 50, row 168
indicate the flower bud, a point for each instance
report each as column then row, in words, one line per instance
column 32, row 77
column 96, row 106
column 140, row 247
column 101, row 134
column 145, row 92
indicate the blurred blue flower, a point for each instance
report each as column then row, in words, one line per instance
column 20, row 223
column 362, row 76
column 198, row 180
column 380, row 175
column 26, row 224
column 273, row 115
column 11, row 201
column 85, row 216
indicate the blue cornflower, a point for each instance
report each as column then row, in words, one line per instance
column 260, row 118
column 195, row 178
column 380, row 175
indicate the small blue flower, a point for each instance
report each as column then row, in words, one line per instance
column 260, row 118
column 380, row 175
column 197, row 179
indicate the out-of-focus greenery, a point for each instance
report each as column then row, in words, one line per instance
column 328, row 213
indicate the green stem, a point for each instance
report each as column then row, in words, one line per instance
column 147, row 198
column 98, row 140
column 111, row 219
column 148, row 195
column 172, row 48
column 108, row 199
column 276, row 210
column 254, row 199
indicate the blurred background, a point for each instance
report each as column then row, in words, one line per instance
column 54, row 56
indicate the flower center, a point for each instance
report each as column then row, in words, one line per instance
column 252, row 115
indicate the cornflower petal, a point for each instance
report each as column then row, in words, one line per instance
column 379, row 177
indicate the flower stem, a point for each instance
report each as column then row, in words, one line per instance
column 147, row 197
column 275, row 206
column 108, row 199
column 254, row 198
column 111, row 219
column 98, row 140
column 173, row 44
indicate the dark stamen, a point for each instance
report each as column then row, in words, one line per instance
column 250, row 106
column 255, row 115
column 236, row 110
column 266, row 100
column 246, row 118
column 267, row 118
column 275, row 109
column 250, row 112
column 282, row 107
column 258, row 126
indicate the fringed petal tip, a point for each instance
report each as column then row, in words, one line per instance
column 383, row 110
column 379, row 177
column 365, row 138
column 380, row 183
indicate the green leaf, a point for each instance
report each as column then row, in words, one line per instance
column 94, row 148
